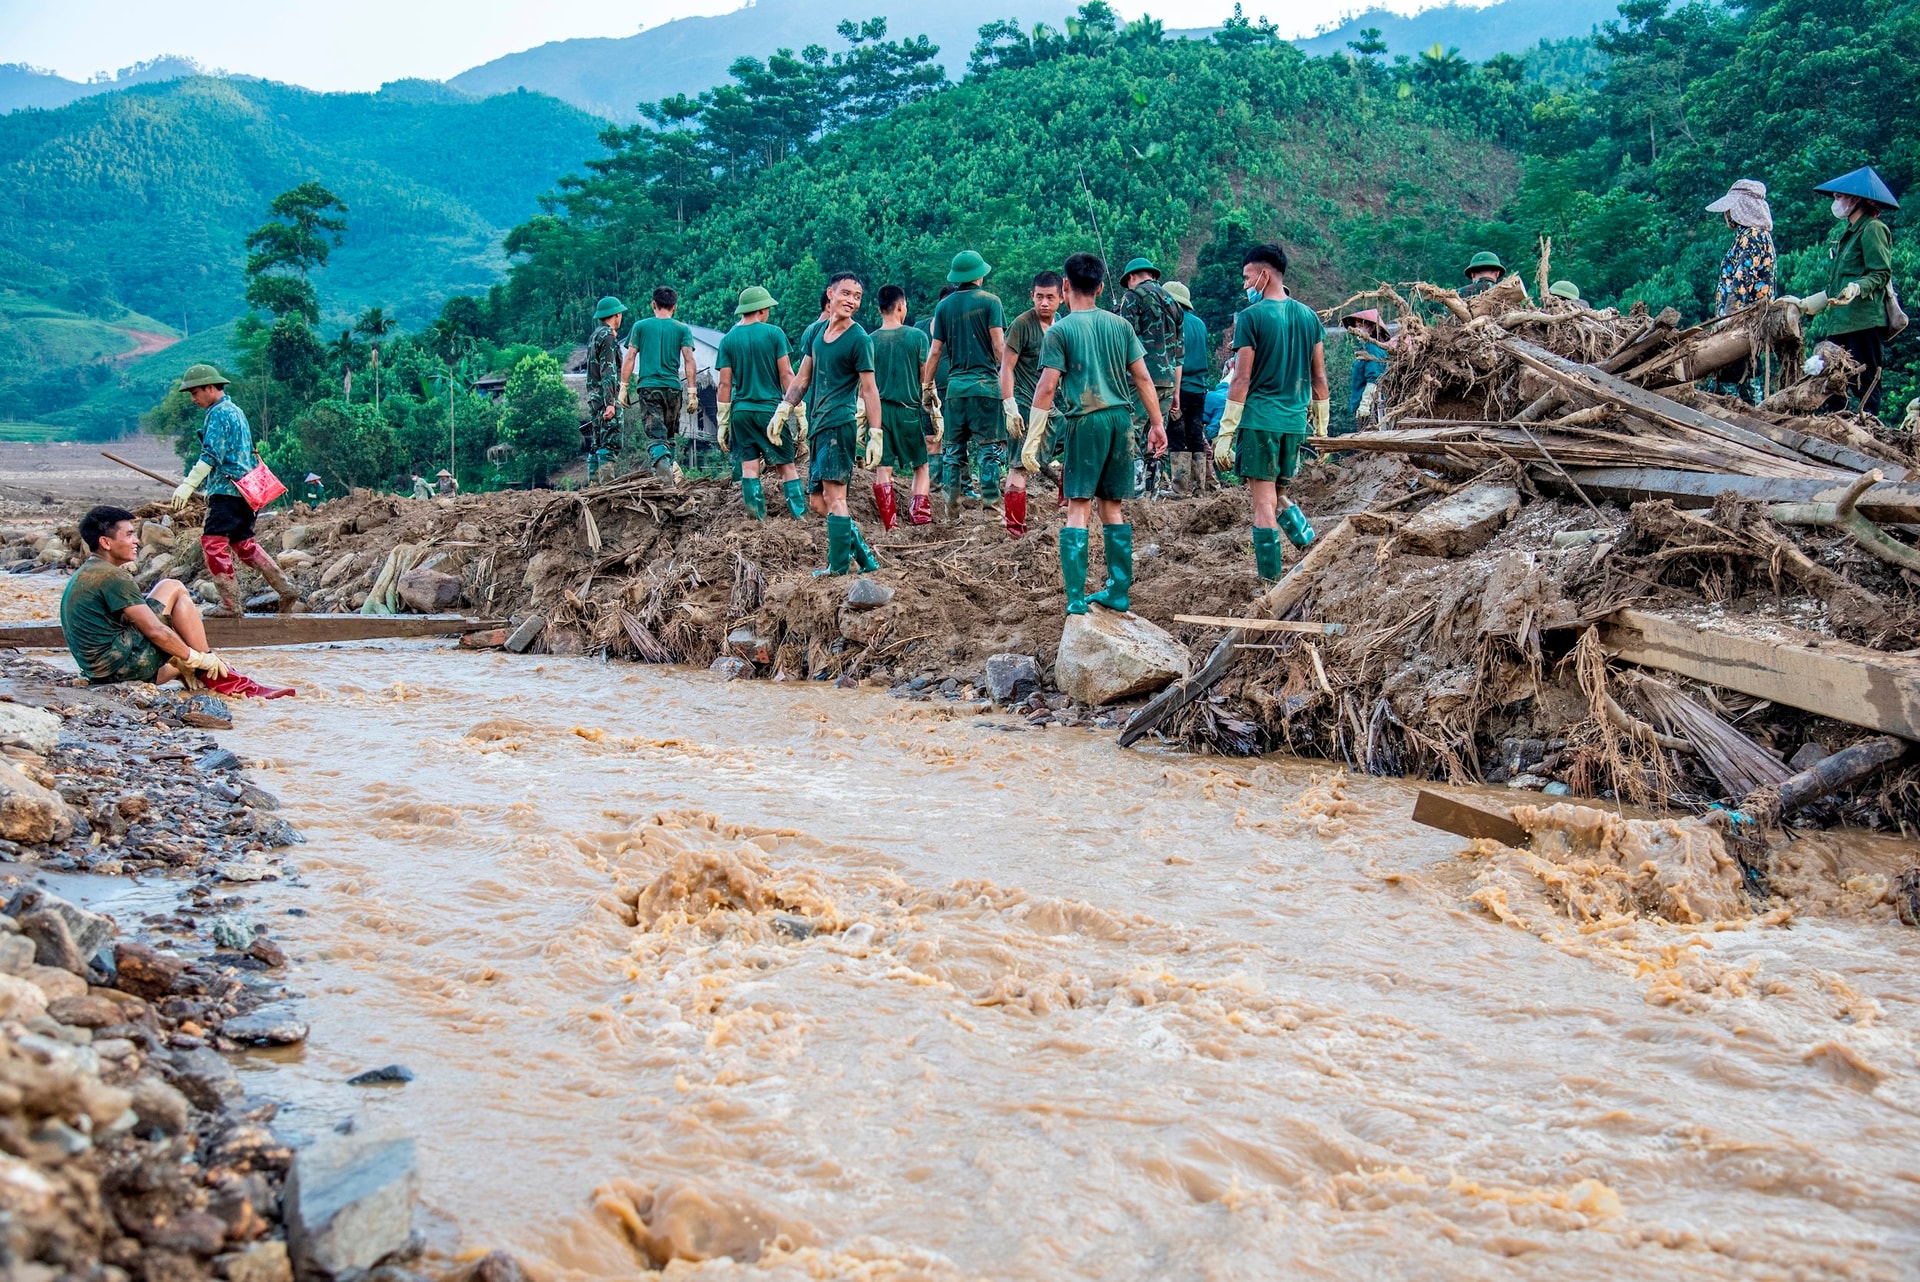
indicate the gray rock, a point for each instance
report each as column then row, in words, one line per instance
column 521, row 639
column 34, row 729
column 1461, row 524
column 379, row 1076
column 1557, row 789
column 293, row 538
column 206, row 712
column 232, row 931
column 262, row 1262
column 16, row 954
column 217, row 760
column 205, row 1078
column 1106, row 656
column 275, row 833
column 349, row 1203
column 29, row 813
column 865, row 594
column 1011, row 677
column 64, row 935
column 162, row 1110
column 261, row 601
column 1809, row 754
column 274, row 1024
column 730, row 667
column 430, row 591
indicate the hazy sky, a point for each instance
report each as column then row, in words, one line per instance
column 361, row 44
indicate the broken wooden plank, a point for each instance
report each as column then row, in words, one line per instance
column 281, row 629
column 1816, row 674
column 1450, row 814
column 1261, row 625
column 1895, row 502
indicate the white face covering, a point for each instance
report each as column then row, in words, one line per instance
column 1842, row 206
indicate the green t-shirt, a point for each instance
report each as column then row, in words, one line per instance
column 964, row 323
column 1025, row 340
column 898, row 355
column 656, row 343
column 806, row 347
column 1193, row 363
column 753, row 353
column 837, row 367
column 1092, row 350
column 945, row 365
column 1282, row 333
column 90, row 611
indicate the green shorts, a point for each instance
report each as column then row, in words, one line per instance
column 903, row 439
column 832, row 461
column 1099, row 449
column 1268, row 456
column 131, row 657
column 748, row 429
column 975, row 420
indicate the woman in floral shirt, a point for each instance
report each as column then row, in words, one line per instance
column 1746, row 273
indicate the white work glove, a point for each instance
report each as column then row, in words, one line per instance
column 1016, row 426
column 776, row 425
column 859, row 414
column 873, row 443
column 1847, row 294
column 800, row 417
column 1911, row 423
column 183, row 494
column 1368, row 398
column 1223, row 452
column 1036, row 441
column 1317, row 415
column 725, row 416
column 939, row 427
column 929, row 398
column 208, row 664
column 1814, row 304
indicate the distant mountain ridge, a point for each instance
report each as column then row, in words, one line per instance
column 24, row 86
column 1509, row 26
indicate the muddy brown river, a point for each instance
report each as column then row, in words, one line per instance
column 801, row 982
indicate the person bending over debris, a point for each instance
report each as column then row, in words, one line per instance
column 226, row 455
column 1280, row 351
column 970, row 331
column 1090, row 357
column 661, row 372
column 1371, row 343
column 115, row 633
column 1019, row 375
column 905, row 433
column 838, row 370
column 753, row 371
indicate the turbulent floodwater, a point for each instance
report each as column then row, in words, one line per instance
column 1070, row 1011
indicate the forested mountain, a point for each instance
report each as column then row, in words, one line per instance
column 1477, row 32
column 24, row 86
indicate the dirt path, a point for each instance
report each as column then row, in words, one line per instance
column 145, row 343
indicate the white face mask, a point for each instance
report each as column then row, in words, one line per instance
column 1842, row 206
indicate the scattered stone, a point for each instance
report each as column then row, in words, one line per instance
column 1557, row 789
column 16, row 953
column 144, row 970
column 1808, row 754
column 249, row 1146
column 497, row 1266
column 220, row 759
column 206, row 712
column 261, row 602
column 1106, row 656
column 21, row 998
column 55, row 981
column 206, row 1079
column 261, row 1262
column 377, row 1076
column 865, row 594
column 272, row 1025
column 64, row 934
column 1461, row 524
column 30, row 813
column 243, row 872
column 349, row 1203
column 257, row 798
column 267, row 952
column 162, row 1110
column 34, row 729
column 487, row 639
column 792, row 926
column 1012, row 677
column 155, row 535
column 84, row 1010
column 293, row 538
column 275, row 833
column 232, row 931
column 430, row 591
column 526, row 633
column 731, row 667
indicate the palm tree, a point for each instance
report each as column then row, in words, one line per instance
column 1438, row 66
column 376, row 325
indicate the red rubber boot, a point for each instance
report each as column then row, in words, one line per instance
column 887, row 502
column 1016, row 501
column 922, row 509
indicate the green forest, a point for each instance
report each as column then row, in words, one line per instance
column 1107, row 135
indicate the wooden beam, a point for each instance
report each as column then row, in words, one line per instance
column 1261, row 625
column 281, row 629
column 1894, row 502
column 1830, row 678
column 1450, row 814
column 1837, row 773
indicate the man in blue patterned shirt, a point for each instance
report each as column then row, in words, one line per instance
column 226, row 455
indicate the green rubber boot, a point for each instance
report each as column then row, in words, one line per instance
column 1118, row 540
column 840, row 538
column 754, row 495
column 796, row 492
column 1294, row 522
column 991, row 461
column 862, row 554
column 1073, row 567
column 1266, row 554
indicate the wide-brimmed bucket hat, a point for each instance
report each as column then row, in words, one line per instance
column 754, row 298
column 1565, row 289
column 1140, row 265
column 609, row 306
column 1746, row 203
column 202, row 376
column 968, row 265
column 1485, row 258
column 1179, row 293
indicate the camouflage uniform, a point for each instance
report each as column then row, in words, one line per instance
column 603, row 389
column 1158, row 321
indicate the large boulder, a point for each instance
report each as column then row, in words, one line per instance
column 349, row 1203
column 1106, row 656
column 430, row 591
column 1461, row 524
column 64, row 935
column 34, row 729
column 30, row 813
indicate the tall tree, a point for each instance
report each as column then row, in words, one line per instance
column 304, row 225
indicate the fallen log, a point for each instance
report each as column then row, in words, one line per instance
column 1891, row 502
column 1816, row 674
column 1450, row 814
column 281, row 629
column 1823, row 778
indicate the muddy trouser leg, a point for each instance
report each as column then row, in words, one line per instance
column 1869, row 347
column 953, row 458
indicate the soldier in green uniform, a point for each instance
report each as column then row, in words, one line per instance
column 1186, row 433
column 600, row 434
column 1019, row 376
column 1279, row 357
column 1484, row 271
column 1159, row 323
column 969, row 330
column 753, row 371
column 1090, row 358
column 901, row 441
column 837, row 369
column 661, row 372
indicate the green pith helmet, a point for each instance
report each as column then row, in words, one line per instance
column 609, row 306
column 1485, row 258
column 754, row 298
column 202, row 376
column 968, row 266
column 1565, row 289
column 1180, row 294
column 1139, row 265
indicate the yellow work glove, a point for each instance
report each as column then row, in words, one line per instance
column 1036, row 441
column 1223, row 454
column 184, row 492
column 929, row 398
column 859, row 414
column 725, row 415
column 1016, row 426
column 800, row 417
column 209, row 664
column 939, row 427
column 873, row 443
column 626, row 397
column 775, row 425
column 1847, row 294
column 1317, row 415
